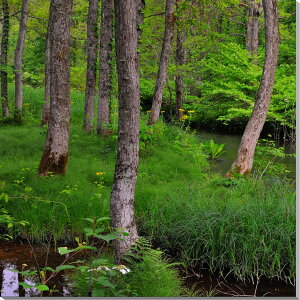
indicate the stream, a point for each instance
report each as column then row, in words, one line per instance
column 231, row 141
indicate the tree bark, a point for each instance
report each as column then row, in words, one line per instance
column 4, row 50
column 244, row 161
column 253, row 27
column 46, row 107
column 92, row 49
column 180, row 56
column 55, row 157
column 106, row 35
column 163, row 64
column 18, row 62
column 122, row 196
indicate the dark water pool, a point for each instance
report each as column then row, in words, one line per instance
column 16, row 256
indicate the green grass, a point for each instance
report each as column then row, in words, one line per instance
column 246, row 227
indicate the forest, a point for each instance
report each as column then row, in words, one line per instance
column 147, row 148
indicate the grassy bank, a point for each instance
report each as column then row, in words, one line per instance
column 242, row 226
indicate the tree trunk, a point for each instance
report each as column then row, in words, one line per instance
column 55, row 156
column 92, row 49
column 106, row 35
column 18, row 63
column 122, row 196
column 46, row 107
column 4, row 50
column 253, row 27
column 163, row 64
column 180, row 56
column 244, row 161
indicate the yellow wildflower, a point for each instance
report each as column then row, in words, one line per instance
column 191, row 111
column 100, row 173
column 184, row 117
column 180, row 109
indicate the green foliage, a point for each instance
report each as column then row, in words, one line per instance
column 267, row 160
column 213, row 150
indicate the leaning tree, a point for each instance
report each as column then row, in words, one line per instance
column 244, row 161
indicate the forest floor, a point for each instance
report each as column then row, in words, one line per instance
column 197, row 217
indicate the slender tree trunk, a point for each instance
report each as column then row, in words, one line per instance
column 4, row 50
column 92, row 49
column 244, row 161
column 106, row 35
column 180, row 56
column 163, row 64
column 122, row 196
column 18, row 62
column 253, row 27
column 55, row 157
column 46, row 107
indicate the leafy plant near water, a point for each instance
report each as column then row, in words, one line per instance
column 148, row 275
column 212, row 149
column 7, row 222
column 102, row 284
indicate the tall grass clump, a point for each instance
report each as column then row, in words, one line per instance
column 243, row 227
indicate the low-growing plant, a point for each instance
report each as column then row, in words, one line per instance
column 212, row 149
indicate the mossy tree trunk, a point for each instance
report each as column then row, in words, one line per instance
column 4, row 52
column 163, row 64
column 18, row 62
column 122, row 196
column 91, row 73
column 55, row 156
column 106, row 36
column 244, row 161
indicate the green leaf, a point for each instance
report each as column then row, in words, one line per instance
column 42, row 288
column 97, row 292
column 48, row 269
column 108, row 237
column 64, row 267
column 89, row 220
column 103, row 219
column 25, row 285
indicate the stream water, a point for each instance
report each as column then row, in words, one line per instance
column 232, row 142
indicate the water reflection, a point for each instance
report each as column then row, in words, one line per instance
column 13, row 256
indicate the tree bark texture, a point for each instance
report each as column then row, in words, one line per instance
column 163, row 64
column 92, row 49
column 106, row 36
column 253, row 27
column 122, row 196
column 46, row 106
column 4, row 50
column 55, row 157
column 180, row 56
column 18, row 62
column 244, row 161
